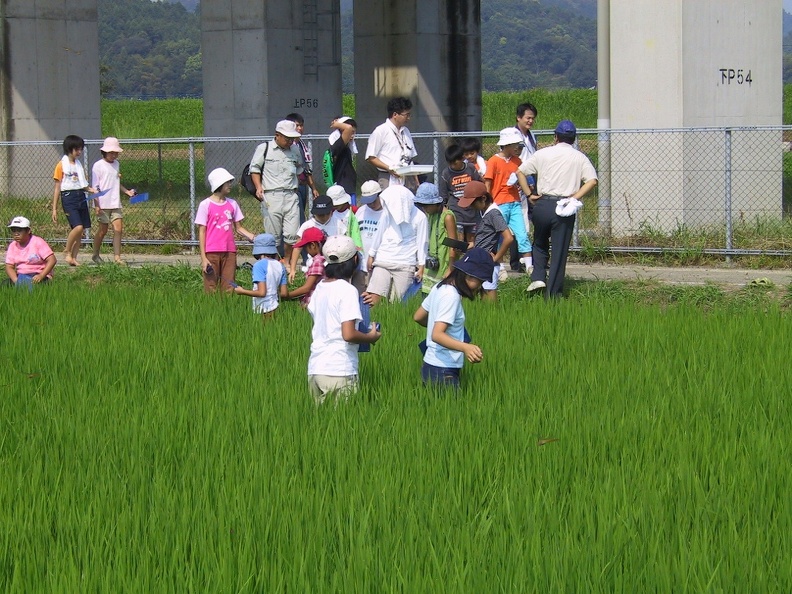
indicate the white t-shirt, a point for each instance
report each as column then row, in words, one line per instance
column 392, row 146
column 444, row 304
column 107, row 176
column 401, row 245
column 332, row 303
column 368, row 221
column 272, row 272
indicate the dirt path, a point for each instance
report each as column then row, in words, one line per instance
column 686, row 276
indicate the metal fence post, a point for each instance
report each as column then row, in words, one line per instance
column 727, row 169
column 436, row 158
column 192, row 190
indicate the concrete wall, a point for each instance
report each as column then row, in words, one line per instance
column 49, row 82
column 687, row 64
column 427, row 51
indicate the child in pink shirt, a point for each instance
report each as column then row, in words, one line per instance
column 217, row 218
column 29, row 259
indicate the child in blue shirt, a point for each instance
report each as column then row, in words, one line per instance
column 442, row 315
column 269, row 277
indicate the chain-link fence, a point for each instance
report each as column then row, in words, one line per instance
column 716, row 190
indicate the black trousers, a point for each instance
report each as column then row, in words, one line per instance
column 549, row 229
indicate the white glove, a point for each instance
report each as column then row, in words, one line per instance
column 566, row 207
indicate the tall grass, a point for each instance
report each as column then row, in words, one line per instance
column 175, row 448
column 158, row 118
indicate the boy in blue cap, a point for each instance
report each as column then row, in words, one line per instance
column 269, row 277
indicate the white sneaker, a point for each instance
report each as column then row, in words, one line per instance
column 503, row 275
column 535, row 286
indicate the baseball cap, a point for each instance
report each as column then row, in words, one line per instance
column 477, row 263
column 310, row 235
column 264, row 243
column 369, row 191
column 566, row 128
column 287, row 128
column 322, row 205
column 427, row 193
column 218, row 177
column 19, row 223
column 473, row 189
column 339, row 248
column 338, row 195
column 510, row 136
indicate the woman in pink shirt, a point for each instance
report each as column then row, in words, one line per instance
column 29, row 260
column 217, row 219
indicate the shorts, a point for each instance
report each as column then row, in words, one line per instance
column 322, row 386
column 445, row 377
column 108, row 215
column 76, row 208
column 493, row 284
column 390, row 280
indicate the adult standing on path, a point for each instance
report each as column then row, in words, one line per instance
column 305, row 179
column 274, row 169
column 526, row 116
column 562, row 172
column 391, row 146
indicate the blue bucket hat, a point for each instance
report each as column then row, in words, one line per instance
column 477, row 263
column 264, row 243
column 427, row 193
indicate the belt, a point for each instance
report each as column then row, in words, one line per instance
column 281, row 190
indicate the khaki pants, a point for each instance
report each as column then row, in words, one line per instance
column 322, row 386
column 280, row 210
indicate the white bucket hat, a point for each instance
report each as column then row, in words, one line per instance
column 111, row 145
column 510, row 136
column 218, row 177
column 338, row 195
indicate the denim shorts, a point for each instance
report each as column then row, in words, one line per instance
column 76, row 208
column 446, row 377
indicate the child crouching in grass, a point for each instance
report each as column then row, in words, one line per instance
column 335, row 309
column 269, row 277
column 442, row 315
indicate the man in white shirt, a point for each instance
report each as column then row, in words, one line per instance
column 397, row 255
column 526, row 116
column 562, row 172
column 390, row 145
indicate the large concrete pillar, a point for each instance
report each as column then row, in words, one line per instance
column 429, row 51
column 49, row 83
column 694, row 64
column 265, row 59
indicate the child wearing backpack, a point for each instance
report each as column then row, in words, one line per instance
column 269, row 277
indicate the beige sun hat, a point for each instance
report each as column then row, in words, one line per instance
column 111, row 145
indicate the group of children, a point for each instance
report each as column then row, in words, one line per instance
column 75, row 193
column 394, row 243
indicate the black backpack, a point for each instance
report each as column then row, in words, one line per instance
column 245, row 180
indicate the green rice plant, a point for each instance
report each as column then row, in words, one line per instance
column 168, row 443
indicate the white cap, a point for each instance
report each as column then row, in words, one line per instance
column 288, row 129
column 339, row 248
column 338, row 195
column 510, row 136
column 20, row 222
column 370, row 188
column 218, row 177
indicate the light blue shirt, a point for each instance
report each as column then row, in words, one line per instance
column 444, row 304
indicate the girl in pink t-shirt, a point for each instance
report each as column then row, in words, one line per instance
column 29, row 259
column 217, row 218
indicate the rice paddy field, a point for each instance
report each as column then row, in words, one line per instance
column 630, row 438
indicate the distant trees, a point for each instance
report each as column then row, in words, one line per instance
column 149, row 49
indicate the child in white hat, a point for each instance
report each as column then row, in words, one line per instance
column 106, row 178
column 217, row 218
column 335, row 309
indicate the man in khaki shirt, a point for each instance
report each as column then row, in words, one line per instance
column 274, row 169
